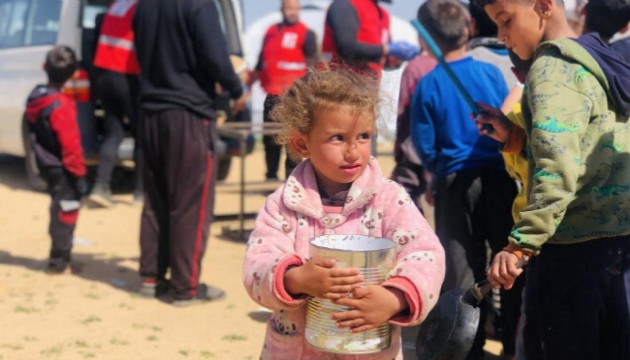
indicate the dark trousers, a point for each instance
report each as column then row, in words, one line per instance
column 62, row 221
column 272, row 149
column 119, row 97
column 472, row 213
column 179, row 177
column 578, row 301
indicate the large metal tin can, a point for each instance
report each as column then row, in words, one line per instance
column 374, row 257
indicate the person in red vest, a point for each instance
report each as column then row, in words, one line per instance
column 357, row 35
column 117, row 87
column 289, row 49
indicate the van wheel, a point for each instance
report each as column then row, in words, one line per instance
column 223, row 167
column 32, row 172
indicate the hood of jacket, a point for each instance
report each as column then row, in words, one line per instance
column 607, row 65
column 38, row 100
column 301, row 192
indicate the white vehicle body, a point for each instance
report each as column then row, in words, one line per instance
column 313, row 15
column 29, row 29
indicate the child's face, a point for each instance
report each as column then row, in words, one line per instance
column 520, row 25
column 338, row 145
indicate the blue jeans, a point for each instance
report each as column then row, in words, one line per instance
column 578, row 301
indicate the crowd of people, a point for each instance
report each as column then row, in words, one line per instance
column 530, row 190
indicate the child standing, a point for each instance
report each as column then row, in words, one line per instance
column 328, row 119
column 576, row 110
column 56, row 142
column 473, row 192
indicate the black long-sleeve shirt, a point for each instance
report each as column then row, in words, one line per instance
column 182, row 54
column 343, row 19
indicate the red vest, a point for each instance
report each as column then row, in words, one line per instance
column 283, row 57
column 115, row 50
column 78, row 86
column 373, row 30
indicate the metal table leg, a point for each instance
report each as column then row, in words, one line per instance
column 241, row 215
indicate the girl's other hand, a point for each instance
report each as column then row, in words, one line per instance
column 320, row 278
column 372, row 306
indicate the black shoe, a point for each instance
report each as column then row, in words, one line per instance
column 205, row 293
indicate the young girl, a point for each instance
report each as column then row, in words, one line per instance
column 328, row 119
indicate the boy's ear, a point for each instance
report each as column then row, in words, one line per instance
column 624, row 29
column 544, row 8
column 298, row 144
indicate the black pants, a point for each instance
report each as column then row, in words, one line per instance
column 472, row 213
column 61, row 188
column 179, row 176
column 578, row 301
column 272, row 149
column 119, row 96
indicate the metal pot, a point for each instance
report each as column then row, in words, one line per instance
column 374, row 257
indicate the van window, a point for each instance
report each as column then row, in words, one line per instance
column 12, row 22
column 229, row 25
column 29, row 22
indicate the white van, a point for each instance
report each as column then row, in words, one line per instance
column 28, row 29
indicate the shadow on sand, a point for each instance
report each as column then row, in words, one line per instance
column 92, row 267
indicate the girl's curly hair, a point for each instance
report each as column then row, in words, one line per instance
column 322, row 89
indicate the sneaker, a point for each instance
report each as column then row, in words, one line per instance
column 205, row 293
column 151, row 288
column 101, row 196
column 138, row 199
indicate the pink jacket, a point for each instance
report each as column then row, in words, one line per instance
column 293, row 214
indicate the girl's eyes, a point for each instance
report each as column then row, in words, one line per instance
column 362, row 136
column 365, row 136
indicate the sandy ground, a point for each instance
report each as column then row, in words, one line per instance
column 96, row 313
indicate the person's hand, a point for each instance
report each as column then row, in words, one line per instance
column 372, row 306
column 495, row 118
column 239, row 104
column 320, row 278
column 403, row 50
column 503, row 270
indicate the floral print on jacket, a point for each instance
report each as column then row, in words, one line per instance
column 293, row 214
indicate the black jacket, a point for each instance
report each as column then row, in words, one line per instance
column 182, row 53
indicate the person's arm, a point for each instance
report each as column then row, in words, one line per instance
column 63, row 122
column 344, row 21
column 254, row 75
column 310, row 49
column 420, row 266
column 212, row 49
column 270, row 253
column 557, row 131
column 275, row 276
column 423, row 128
column 413, row 287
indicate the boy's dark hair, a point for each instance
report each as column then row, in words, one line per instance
column 607, row 16
column 446, row 21
column 485, row 26
column 61, row 63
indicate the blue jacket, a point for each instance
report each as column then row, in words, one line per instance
column 442, row 129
